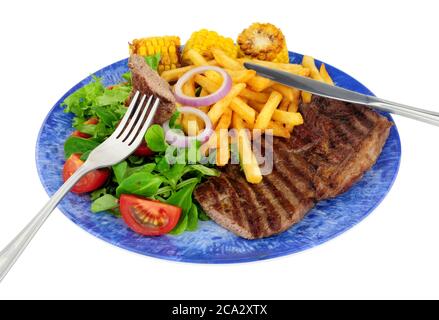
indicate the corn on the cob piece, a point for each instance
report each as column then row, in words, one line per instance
column 167, row 46
column 201, row 41
column 263, row 41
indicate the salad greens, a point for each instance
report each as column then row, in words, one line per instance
column 154, row 177
column 153, row 61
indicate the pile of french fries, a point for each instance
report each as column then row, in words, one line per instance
column 254, row 102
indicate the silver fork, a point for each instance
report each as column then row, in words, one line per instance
column 123, row 142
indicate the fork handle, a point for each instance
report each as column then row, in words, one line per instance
column 10, row 254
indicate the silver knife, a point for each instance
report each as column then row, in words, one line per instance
column 333, row 92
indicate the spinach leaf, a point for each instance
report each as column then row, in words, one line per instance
column 174, row 174
column 155, row 138
column 120, row 170
column 173, row 120
column 183, row 198
column 181, row 226
column 163, row 165
column 148, row 168
column 98, row 193
column 85, row 155
column 135, row 160
column 78, row 145
column 203, row 216
column 140, row 183
column 205, row 170
column 106, row 202
column 192, row 221
column 153, row 61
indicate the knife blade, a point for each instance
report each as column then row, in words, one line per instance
column 338, row 93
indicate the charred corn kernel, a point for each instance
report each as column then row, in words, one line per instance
column 168, row 47
column 202, row 41
column 263, row 41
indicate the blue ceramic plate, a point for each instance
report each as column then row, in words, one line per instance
column 211, row 243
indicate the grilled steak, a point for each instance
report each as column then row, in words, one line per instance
column 148, row 82
column 326, row 155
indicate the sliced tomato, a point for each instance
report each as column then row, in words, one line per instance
column 143, row 150
column 80, row 134
column 90, row 182
column 148, row 217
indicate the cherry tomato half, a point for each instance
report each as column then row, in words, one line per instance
column 90, row 182
column 143, row 150
column 148, row 217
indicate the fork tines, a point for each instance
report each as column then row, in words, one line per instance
column 136, row 118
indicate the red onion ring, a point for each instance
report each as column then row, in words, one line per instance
column 206, row 100
column 177, row 138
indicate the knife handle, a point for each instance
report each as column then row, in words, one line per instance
column 427, row 116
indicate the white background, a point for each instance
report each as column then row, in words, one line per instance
column 47, row 47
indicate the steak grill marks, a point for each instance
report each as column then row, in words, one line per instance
column 336, row 145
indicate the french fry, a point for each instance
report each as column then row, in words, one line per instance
column 287, row 117
column 258, row 83
column 225, row 120
column 175, row 74
column 294, row 106
column 196, row 58
column 237, row 122
column 306, row 97
column 190, row 122
column 246, row 112
column 241, row 75
column 220, row 107
column 243, row 99
column 278, row 130
column 296, row 94
column 266, row 113
column 248, row 160
column 287, row 92
column 225, row 61
column 223, row 148
column 290, row 118
column 284, row 104
column 205, row 109
column 325, row 75
column 189, row 88
column 309, row 63
column 260, row 97
column 256, row 105
column 206, row 83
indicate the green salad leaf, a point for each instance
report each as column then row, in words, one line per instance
column 78, row 145
column 155, row 138
column 182, row 199
column 153, row 61
column 140, row 183
column 192, row 221
column 106, row 202
column 119, row 171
